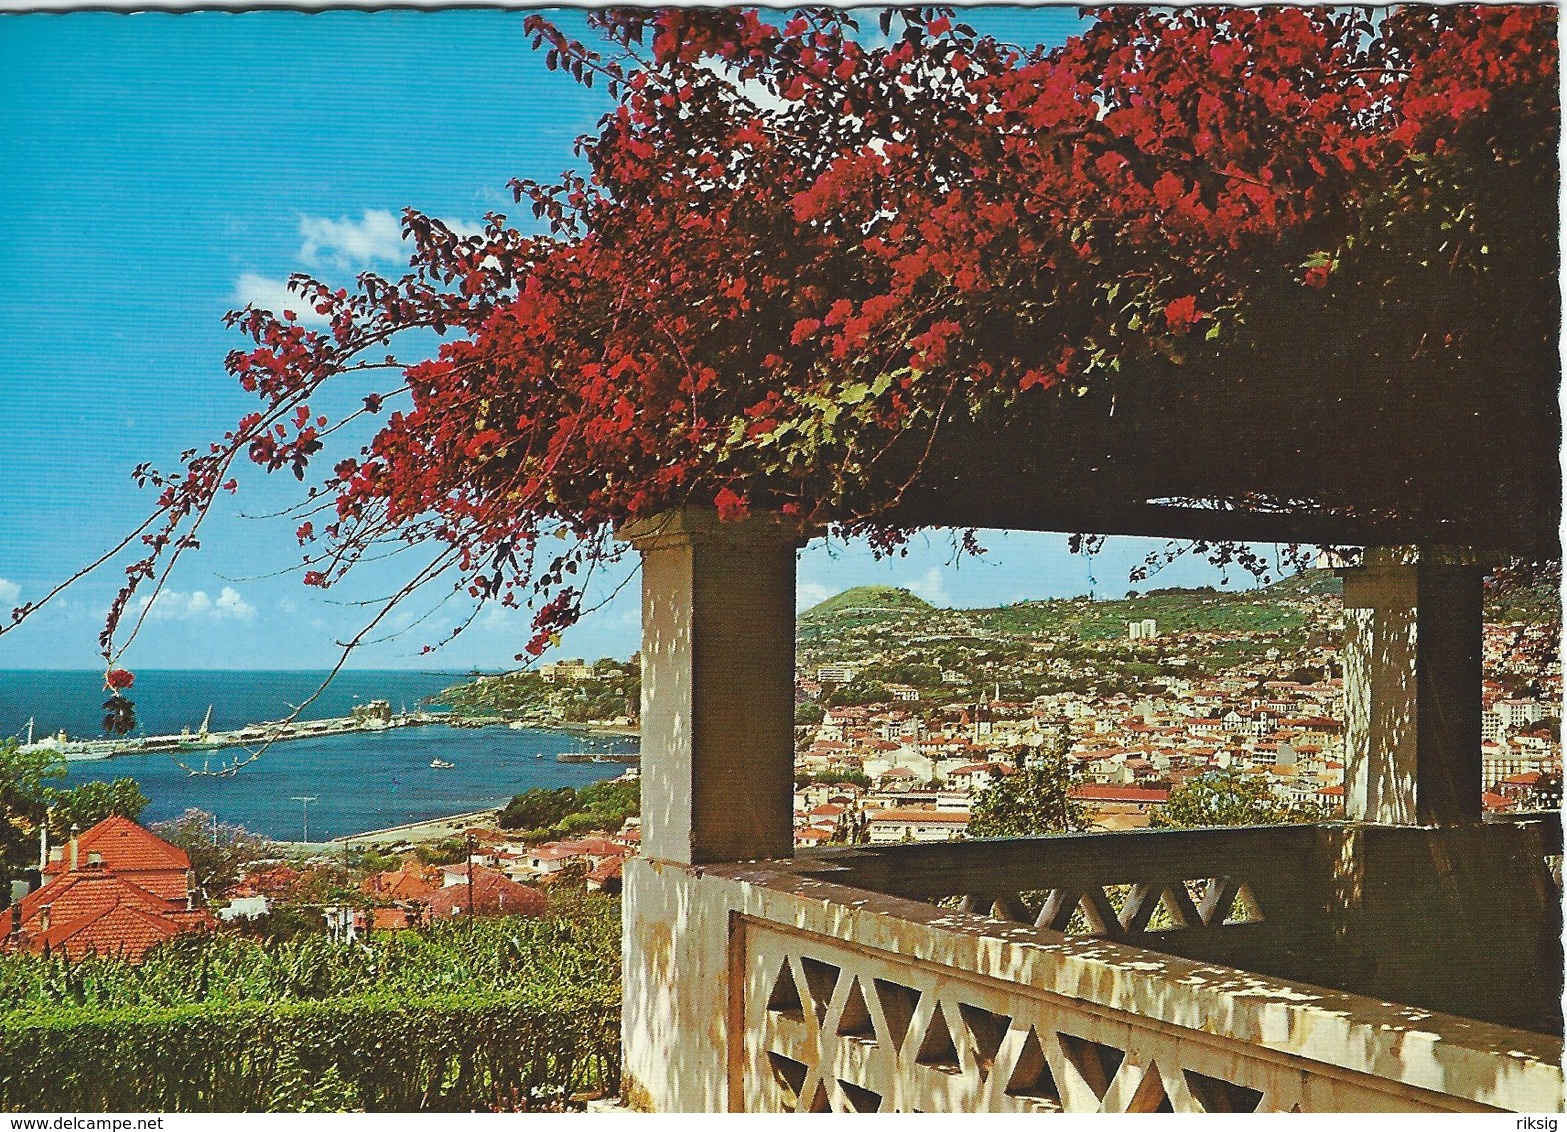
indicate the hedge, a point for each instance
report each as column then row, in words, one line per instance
column 375, row 1052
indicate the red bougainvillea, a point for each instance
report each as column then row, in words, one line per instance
column 792, row 253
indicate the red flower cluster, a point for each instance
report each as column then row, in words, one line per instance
column 752, row 307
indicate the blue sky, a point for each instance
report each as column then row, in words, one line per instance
column 158, row 170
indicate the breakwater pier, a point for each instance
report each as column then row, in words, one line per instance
column 376, row 715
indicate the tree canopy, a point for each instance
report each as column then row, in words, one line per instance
column 1278, row 258
column 1228, row 797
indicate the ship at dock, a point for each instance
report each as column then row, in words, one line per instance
column 376, row 715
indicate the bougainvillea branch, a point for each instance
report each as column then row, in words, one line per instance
column 800, row 273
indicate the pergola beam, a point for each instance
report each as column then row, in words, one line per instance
column 1007, row 511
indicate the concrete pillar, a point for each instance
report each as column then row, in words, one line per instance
column 717, row 686
column 717, row 785
column 1412, row 673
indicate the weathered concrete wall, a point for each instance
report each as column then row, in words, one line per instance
column 1463, row 920
column 1412, row 676
column 675, row 954
column 698, row 1022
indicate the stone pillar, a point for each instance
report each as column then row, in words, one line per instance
column 1418, row 911
column 717, row 686
column 1412, row 673
column 717, row 785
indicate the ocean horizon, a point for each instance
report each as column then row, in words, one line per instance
column 359, row 781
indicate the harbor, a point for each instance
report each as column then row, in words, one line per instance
column 377, row 715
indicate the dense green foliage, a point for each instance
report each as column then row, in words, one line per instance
column 377, row 1052
column 23, row 802
column 615, row 689
column 545, row 814
column 92, row 802
column 1032, row 800
column 1229, row 798
column 499, row 1013
column 577, row 944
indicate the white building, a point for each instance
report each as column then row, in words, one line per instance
column 889, row 827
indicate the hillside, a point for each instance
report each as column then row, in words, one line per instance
column 868, row 599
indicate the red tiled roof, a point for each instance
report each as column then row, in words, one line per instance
column 492, row 894
column 125, row 847
column 276, row 881
column 411, row 882
column 609, row 869
column 1092, row 792
column 948, row 817
column 95, row 910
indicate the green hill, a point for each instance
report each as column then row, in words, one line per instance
column 868, row 599
column 1306, row 583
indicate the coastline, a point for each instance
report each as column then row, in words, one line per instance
column 414, row 833
column 596, row 730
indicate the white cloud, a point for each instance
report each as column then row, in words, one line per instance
column 807, row 594
column 172, row 605
column 230, row 604
column 499, row 618
column 932, row 587
column 273, row 295
column 343, row 245
column 9, row 592
column 375, row 238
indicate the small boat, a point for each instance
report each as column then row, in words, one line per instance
column 540, row 755
column 441, row 764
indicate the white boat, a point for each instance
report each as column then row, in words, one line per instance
column 441, row 764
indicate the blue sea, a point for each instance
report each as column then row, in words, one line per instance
column 359, row 782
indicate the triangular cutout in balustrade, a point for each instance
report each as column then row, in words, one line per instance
column 1244, row 909
column 855, row 1022
column 790, row 1075
column 1151, row 1095
column 1095, row 1063
column 937, row 1050
column 1031, row 1077
column 1138, row 908
column 821, row 979
column 860, row 1099
column 1215, row 1095
column 785, row 996
column 1178, row 907
column 987, row 1030
column 898, row 1004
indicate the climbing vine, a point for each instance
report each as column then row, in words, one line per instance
column 802, row 273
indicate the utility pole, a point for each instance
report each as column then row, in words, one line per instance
column 305, row 806
column 472, row 844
